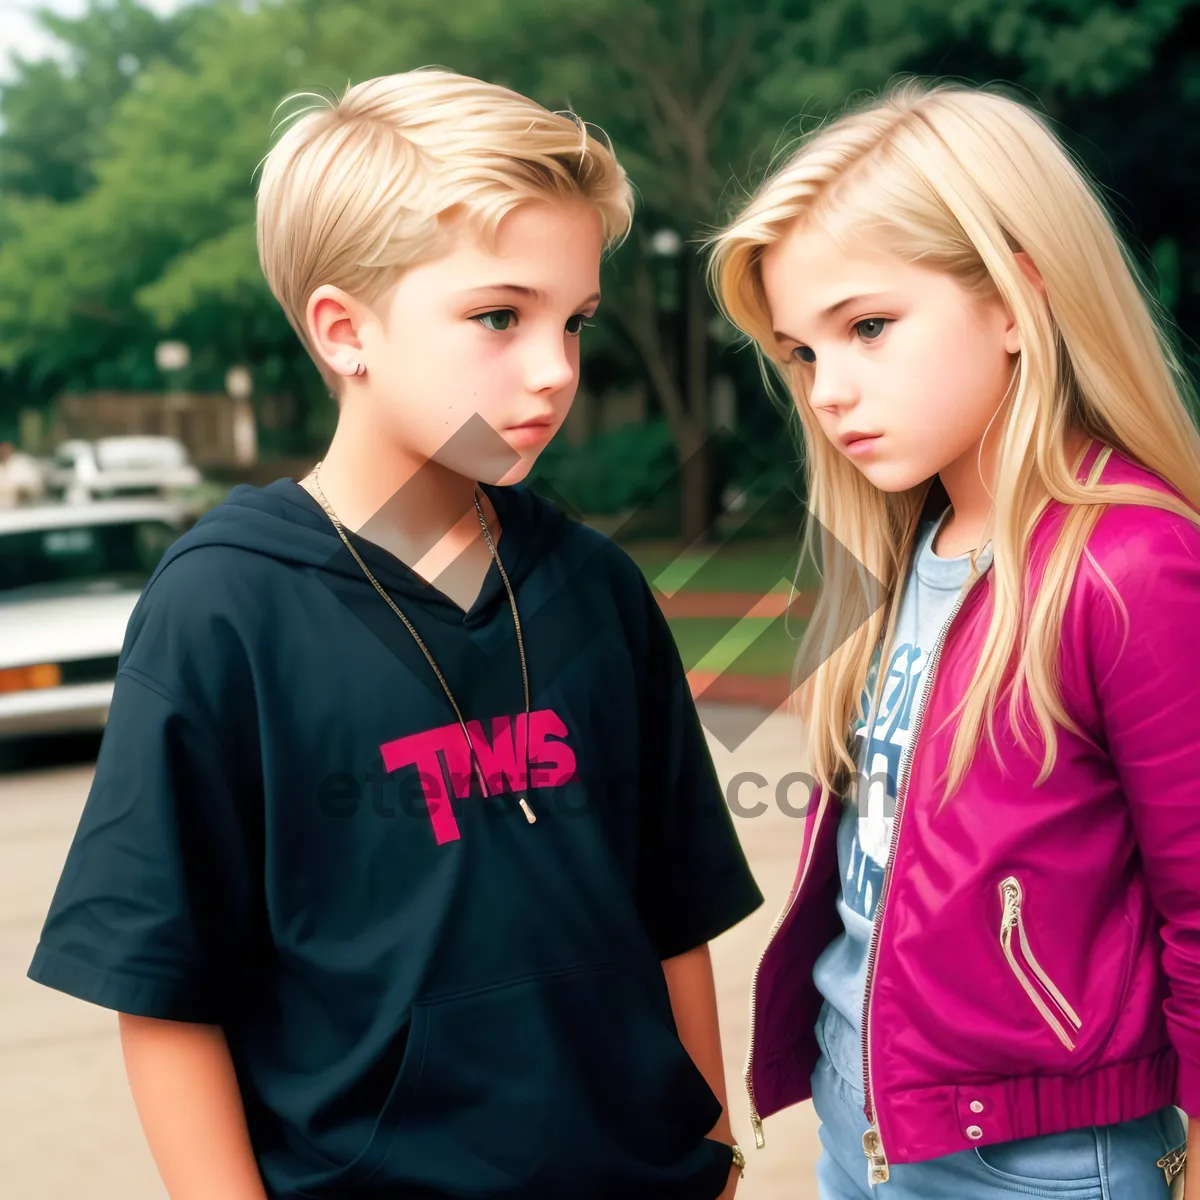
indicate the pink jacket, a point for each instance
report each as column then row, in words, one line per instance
column 1036, row 962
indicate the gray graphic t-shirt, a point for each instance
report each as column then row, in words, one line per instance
column 865, row 831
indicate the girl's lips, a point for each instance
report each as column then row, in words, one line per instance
column 863, row 445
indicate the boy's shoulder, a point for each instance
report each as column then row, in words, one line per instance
column 252, row 532
column 212, row 580
column 586, row 549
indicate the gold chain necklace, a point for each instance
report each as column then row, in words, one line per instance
column 512, row 600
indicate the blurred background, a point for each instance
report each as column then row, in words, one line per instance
column 145, row 368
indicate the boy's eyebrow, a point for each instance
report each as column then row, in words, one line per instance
column 828, row 313
column 521, row 290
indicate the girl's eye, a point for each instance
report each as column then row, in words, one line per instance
column 805, row 354
column 576, row 324
column 871, row 328
column 498, row 320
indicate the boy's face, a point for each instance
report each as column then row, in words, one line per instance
column 473, row 357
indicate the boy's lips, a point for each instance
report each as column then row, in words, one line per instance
column 530, row 432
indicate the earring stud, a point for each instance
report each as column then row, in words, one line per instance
column 361, row 369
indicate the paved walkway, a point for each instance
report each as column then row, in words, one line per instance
column 69, row 1129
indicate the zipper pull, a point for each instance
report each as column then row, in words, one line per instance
column 527, row 810
column 1173, row 1163
column 1010, row 890
column 756, row 1124
column 877, row 1165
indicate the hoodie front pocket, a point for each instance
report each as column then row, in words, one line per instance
column 543, row 1083
column 1038, row 986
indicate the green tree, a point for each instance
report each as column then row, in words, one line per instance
column 55, row 112
column 137, row 221
column 694, row 92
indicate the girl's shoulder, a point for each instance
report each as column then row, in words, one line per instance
column 1146, row 555
column 1132, row 535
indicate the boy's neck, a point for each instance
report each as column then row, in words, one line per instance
column 421, row 512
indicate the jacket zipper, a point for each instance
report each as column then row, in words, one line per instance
column 755, row 1120
column 1050, row 1002
column 872, row 1140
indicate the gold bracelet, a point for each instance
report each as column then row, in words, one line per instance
column 739, row 1160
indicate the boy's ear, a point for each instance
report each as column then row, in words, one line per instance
column 1030, row 271
column 333, row 318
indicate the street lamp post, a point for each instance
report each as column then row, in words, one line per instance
column 171, row 358
column 239, row 384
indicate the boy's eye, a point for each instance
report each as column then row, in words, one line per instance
column 871, row 328
column 575, row 324
column 805, row 354
column 498, row 320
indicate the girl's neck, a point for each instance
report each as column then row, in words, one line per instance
column 970, row 503
column 969, row 489
column 970, row 509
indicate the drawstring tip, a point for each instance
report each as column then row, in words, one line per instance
column 527, row 811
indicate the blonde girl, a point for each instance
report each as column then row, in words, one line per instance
column 988, row 973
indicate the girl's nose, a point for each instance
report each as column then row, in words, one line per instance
column 832, row 390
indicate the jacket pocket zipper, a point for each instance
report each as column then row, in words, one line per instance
column 1038, row 986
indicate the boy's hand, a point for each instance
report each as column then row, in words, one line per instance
column 731, row 1187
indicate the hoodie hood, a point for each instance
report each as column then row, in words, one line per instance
column 283, row 522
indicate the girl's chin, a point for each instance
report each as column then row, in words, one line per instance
column 893, row 476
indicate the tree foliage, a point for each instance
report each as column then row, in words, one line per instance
column 127, row 171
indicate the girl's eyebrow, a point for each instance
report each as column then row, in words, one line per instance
column 520, row 289
column 827, row 314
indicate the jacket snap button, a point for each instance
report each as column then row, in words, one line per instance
column 977, row 1106
column 974, row 1132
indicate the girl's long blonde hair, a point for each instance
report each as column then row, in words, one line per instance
column 960, row 179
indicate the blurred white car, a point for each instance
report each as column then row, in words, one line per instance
column 120, row 466
column 70, row 576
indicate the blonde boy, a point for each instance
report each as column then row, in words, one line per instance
column 404, row 846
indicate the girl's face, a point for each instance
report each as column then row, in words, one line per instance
column 904, row 368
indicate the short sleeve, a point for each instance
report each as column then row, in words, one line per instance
column 694, row 880
column 153, row 911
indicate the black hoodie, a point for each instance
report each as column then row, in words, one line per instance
column 424, row 993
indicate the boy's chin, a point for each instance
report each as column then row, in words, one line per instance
column 503, row 476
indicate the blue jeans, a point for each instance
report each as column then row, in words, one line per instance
column 1112, row 1162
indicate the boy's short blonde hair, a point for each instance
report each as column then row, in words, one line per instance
column 355, row 192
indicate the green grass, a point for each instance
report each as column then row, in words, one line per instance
column 716, row 644
column 758, row 567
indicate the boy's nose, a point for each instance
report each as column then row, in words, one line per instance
column 549, row 369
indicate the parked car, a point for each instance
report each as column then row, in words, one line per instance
column 111, row 467
column 70, row 576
